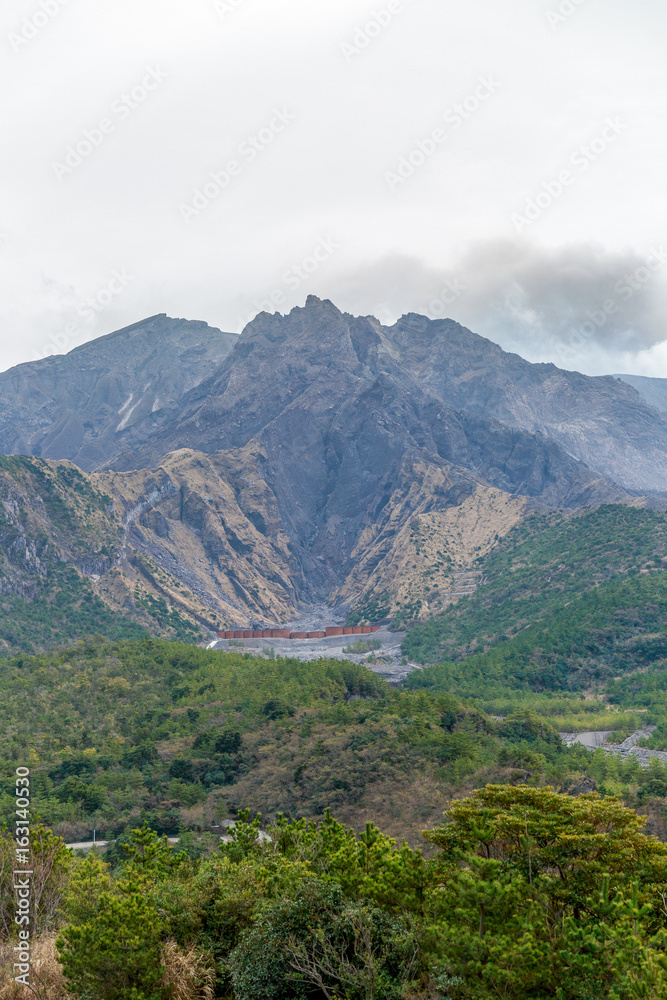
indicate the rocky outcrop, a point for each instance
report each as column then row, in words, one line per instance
column 211, row 525
column 68, row 539
column 601, row 421
column 51, row 514
column 478, row 406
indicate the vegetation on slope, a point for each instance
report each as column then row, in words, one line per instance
column 180, row 737
column 545, row 562
column 35, row 493
column 552, row 579
column 65, row 607
column 618, row 627
column 58, row 533
column 529, row 894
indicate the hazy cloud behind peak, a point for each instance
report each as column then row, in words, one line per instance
column 204, row 160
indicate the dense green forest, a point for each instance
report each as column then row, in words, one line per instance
column 527, row 894
column 117, row 734
column 569, row 607
column 620, row 627
column 539, row 569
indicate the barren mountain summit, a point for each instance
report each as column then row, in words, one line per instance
column 288, row 465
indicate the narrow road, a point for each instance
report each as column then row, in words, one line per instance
column 87, row 845
column 628, row 748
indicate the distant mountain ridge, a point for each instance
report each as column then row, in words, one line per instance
column 73, row 406
column 279, row 362
column 156, row 386
column 322, row 457
column 652, row 390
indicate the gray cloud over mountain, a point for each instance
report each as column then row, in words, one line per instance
column 192, row 158
column 570, row 304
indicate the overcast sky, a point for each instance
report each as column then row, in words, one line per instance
column 501, row 162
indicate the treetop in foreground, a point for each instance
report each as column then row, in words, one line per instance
column 532, row 894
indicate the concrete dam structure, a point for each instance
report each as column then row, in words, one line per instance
column 284, row 633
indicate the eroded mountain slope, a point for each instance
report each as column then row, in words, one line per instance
column 326, row 459
column 605, row 423
column 343, row 435
column 447, row 385
column 65, row 568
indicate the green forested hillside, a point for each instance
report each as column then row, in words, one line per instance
column 58, row 533
column 616, row 628
column 539, row 576
column 174, row 734
column 63, row 607
column 121, row 733
column 570, row 621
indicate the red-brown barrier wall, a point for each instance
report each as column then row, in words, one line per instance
column 284, row 633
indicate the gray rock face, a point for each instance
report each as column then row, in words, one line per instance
column 437, row 373
column 129, row 393
column 602, row 422
column 75, row 406
column 344, row 417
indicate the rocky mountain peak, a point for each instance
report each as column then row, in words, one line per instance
column 291, row 464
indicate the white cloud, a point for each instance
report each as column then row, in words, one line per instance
column 325, row 178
